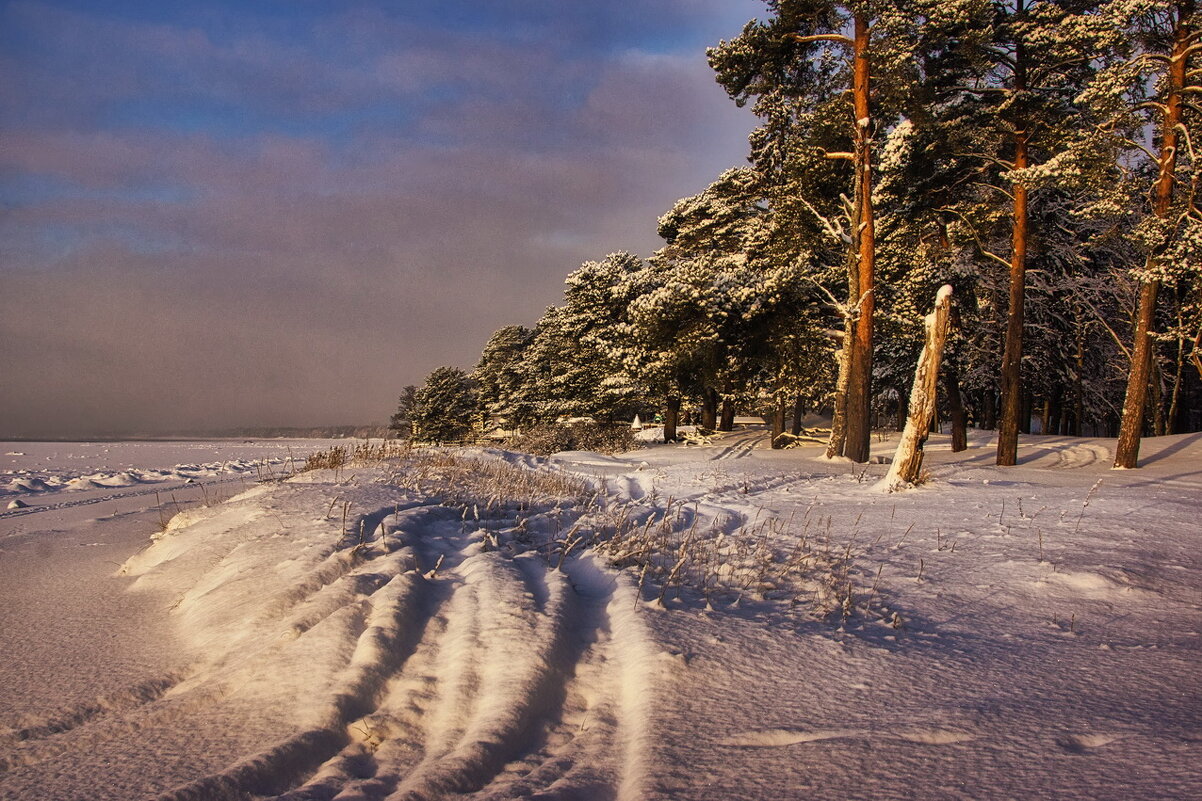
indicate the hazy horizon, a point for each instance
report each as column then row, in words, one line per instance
column 222, row 216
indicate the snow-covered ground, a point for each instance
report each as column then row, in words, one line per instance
column 34, row 472
column 452, row 624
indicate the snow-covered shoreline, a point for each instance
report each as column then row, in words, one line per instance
column 34, row 468
column 1023, row 632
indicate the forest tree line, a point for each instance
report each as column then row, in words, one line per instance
column 1039, row 157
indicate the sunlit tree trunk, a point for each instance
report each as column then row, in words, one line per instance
column 859, row 386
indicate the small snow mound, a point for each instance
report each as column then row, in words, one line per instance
column 17, row 504
column 126, row 478
column 1090, row 585
column 29, row 485
column 1082, row 742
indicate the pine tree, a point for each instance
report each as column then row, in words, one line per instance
column 498, row 373
column 573, row 366
column 402, row 420
column 803, row 66
column 445, row 407
column 707, row 290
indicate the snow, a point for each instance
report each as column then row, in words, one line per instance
column 79, row 466
column 453, row 625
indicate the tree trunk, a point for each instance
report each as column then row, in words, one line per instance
column 1156, row 401
column 778, row 424
column 1007, row 440
column 1054, row 412
column 1126, row 453
column 989, row 402
column 907, row 461
column 1196, row 355
column 709, row 409
column 1178, row 374
column 1012, row 394
column 799, row 411
column 859, row 387
column 1131, row 425
column 955, row 405
column 1079, row 386
column 671, row 418
column 727, row 420
column 834, row 447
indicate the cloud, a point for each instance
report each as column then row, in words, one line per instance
column 301, row 265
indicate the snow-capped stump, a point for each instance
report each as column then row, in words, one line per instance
column 17, row 503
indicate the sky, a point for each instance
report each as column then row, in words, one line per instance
column 220, row 214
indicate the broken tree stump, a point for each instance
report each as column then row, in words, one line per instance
column 907, row 461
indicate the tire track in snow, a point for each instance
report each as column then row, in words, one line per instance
column 294, row 626
column 21, row 746
column 381, row 649
column 474, row 670
column 418, row 663
column 741, row 446
column 1078, row 456
column 521, row 683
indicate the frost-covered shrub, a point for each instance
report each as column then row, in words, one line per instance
column 549, row 438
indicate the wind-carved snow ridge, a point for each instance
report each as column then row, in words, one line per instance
column 384, row 642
